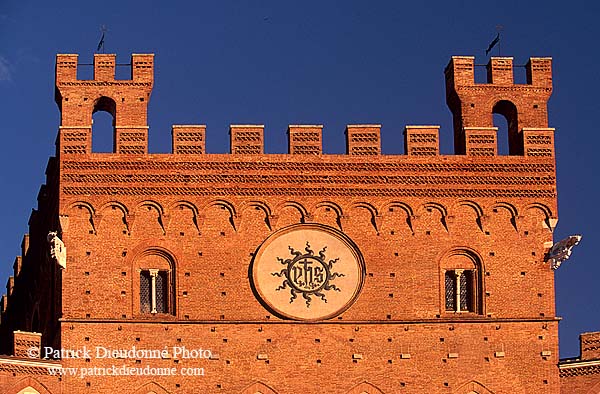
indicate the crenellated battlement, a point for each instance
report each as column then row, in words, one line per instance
column 472, row 104
column 460, row 71
column 142, row 69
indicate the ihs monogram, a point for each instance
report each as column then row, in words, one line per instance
column 308, row 274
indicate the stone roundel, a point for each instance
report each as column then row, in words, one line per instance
column 308, row 272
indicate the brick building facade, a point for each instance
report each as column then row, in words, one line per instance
column 289, row 273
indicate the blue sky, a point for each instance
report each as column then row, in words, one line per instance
column 333, row 63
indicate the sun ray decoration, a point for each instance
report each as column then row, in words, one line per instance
column 307, row 274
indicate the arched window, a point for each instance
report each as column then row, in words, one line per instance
column 460, row 290
column 154, row 291
column 509, row 111
column 155, row 280
column 462, row 283
column 103, row 125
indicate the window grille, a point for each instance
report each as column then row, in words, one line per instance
column 461, row 298
column 161, row 287
column 450, row 291
column 466, row 291
column 154, row 291
column 145, row 292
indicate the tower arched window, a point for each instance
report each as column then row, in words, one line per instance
column 508, row 111
column 103, row 125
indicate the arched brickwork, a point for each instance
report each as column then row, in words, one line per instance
column 258, row 388
column 473, row 387
column 365, row 388
column 151, row 388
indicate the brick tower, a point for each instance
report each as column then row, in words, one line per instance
column 301, row 272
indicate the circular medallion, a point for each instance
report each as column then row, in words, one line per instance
column 308, row 272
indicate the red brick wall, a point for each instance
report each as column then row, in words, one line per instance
column 208, row 214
